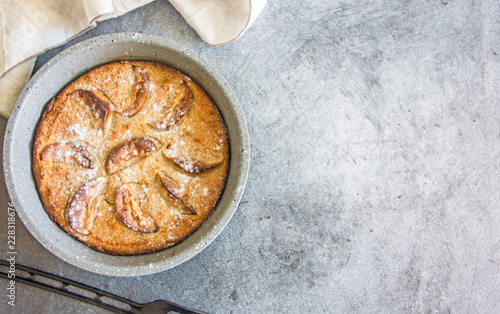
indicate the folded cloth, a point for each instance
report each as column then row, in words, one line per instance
column 30, row 27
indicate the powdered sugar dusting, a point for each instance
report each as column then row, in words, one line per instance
column 85, row 126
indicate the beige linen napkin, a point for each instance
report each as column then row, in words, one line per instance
column 29, row 27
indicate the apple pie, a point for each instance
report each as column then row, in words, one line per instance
column 131, row 157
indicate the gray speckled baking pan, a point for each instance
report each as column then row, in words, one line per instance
column 64, row 68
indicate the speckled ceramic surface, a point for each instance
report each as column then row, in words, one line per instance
column 61, row 70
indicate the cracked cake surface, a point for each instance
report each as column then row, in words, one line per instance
column 131, row 157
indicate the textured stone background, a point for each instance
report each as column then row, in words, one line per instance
column 374, row 181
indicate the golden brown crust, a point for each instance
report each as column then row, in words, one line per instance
column 87, row 125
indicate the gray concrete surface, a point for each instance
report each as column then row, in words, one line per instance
column 375, row 140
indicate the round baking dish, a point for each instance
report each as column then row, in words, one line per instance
column 64, row 68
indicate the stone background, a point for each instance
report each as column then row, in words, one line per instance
column 375, row 164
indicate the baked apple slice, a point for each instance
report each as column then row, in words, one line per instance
column 71, row 153
column 132, row 207
column 193, row 157
column 85, row 205
column 173, row 108
column 174, row 193
column 137, row 95
column 127, row 85
column 101, row 108
column 129, row 152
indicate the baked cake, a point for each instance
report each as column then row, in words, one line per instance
column 131, row 157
